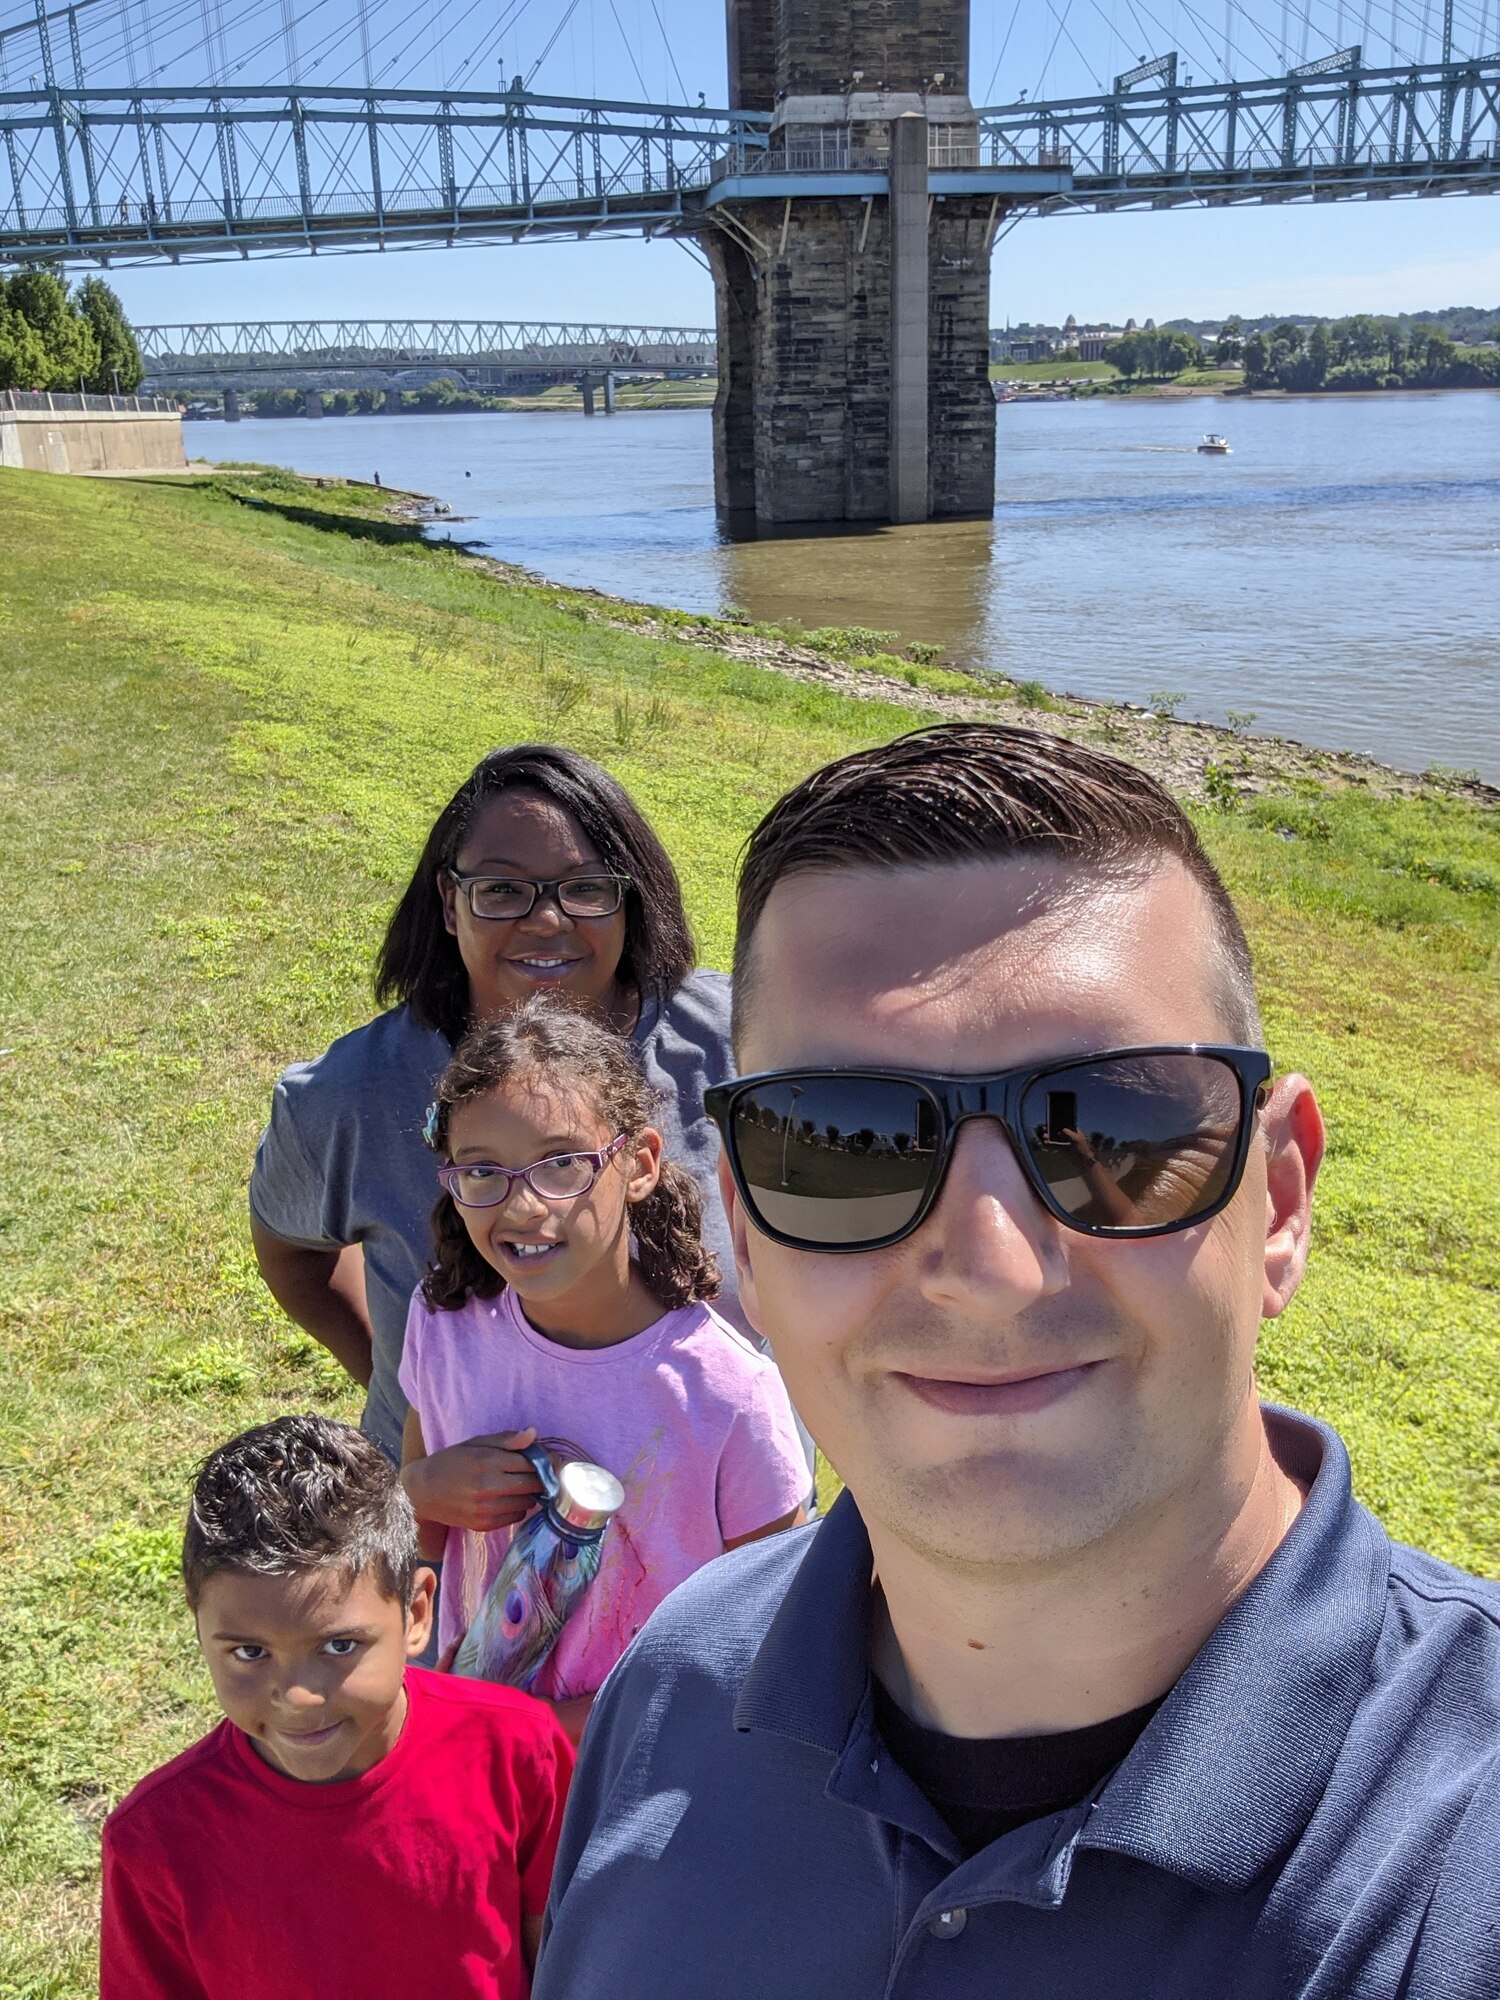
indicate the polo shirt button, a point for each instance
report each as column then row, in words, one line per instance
column 949, row 1923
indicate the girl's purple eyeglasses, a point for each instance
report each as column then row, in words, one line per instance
column 563, row 1177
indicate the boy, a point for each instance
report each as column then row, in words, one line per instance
column 356, row 1826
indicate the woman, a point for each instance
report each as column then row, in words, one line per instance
column 541, row 875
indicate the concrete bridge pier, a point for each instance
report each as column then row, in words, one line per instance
column 854, row 353
column 312, row 402
column 232, row 406
column 851, row 266
column 591, row 386
column 911, row 498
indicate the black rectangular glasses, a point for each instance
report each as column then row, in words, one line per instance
column 1130, row 1142
column 505, row 899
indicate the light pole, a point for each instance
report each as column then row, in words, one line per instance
column 786, row 1130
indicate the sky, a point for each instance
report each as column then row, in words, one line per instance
column 1394, row 256
column 1345, row 257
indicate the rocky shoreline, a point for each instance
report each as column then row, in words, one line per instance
column 1201, row 761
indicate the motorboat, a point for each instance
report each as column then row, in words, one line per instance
column 1214, row 443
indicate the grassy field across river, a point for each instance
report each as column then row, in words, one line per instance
column 226, row 729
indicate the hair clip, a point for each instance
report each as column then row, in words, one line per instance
column 432, row 1126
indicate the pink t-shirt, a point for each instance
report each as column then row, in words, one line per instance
column 692, row 1420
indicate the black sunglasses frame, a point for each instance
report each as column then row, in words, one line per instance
column 957, row 1099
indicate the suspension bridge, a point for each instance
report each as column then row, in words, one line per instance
column 848, row 199
column 117, row 177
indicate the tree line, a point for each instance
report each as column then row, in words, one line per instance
column 53, row 338
column 1364, row 353
column 1155, row 353
column 443, row 394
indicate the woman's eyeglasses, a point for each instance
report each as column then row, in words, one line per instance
column 1131, row 1142
column 504, row 898
column 562, row 1178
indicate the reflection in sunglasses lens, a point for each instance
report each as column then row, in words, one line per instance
column 837, row 1159
column 1137, row 1141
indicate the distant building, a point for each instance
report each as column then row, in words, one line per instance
column 1022, row 347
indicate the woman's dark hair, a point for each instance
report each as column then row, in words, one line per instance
column 301, row 1493
column 419, row 960
column 546, row 1041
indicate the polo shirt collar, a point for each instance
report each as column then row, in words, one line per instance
column 1227, row 1774
column 810, row 1676
column 1231, row 1767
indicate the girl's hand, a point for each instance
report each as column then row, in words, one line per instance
column 483, row 1483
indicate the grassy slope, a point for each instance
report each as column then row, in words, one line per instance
column 224, row 737
column 1054, row 371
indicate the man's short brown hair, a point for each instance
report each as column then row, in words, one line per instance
column 967, row 791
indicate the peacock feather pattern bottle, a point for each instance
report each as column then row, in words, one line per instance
column 552, row 1560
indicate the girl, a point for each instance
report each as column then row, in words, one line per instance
column 535, row 1319
column 540, row 875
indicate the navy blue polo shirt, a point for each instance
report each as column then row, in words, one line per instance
column 1314, row 1810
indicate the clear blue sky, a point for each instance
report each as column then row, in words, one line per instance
column 1346, row 257
column 1387, row 257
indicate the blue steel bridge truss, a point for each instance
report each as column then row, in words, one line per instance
column 129, row 175
column 208, row 353
column 1332, row 131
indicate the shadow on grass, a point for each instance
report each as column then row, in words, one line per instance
column 359, row 527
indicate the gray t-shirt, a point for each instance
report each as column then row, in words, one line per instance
column 343, row 1159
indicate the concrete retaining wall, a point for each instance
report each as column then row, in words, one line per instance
column 89, row 439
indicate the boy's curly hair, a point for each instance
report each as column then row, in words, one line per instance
column 301, row 1493
column 550, row 1042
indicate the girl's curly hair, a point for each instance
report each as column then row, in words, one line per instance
column 549, row 1041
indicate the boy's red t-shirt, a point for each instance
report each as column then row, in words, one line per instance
column 224, row 1878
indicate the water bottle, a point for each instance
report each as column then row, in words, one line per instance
column 552, row 1560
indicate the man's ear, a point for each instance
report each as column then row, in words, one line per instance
column 419, row 1612
column 1294, row 1139
column 739, row 1230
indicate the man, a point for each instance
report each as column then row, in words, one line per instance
column 1096, row 1682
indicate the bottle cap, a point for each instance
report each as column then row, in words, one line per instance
column 586, row 1497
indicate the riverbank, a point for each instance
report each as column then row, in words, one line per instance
column 227, row 728
column 1200, row 761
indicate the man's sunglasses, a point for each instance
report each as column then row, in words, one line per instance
column 1131, row 1142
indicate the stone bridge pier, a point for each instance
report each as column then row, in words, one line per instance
column 851, row 264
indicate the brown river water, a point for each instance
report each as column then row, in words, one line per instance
column 1338, row 574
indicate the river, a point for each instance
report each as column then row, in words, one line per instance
column 1338, row 574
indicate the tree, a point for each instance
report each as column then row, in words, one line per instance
column 1258, row 370
column 1126, row 354
column 23, row 355
column 1318, row 357
column 120, row 367
column 1231, row 342
column 1362, row 338
column 1177, row 351
column 1439, row 357
column 72, row 352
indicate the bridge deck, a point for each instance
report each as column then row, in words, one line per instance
column 124, row 175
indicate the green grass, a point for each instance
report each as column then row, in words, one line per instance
column 225, row 735
column 1054, row 371
column 1105, row 374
